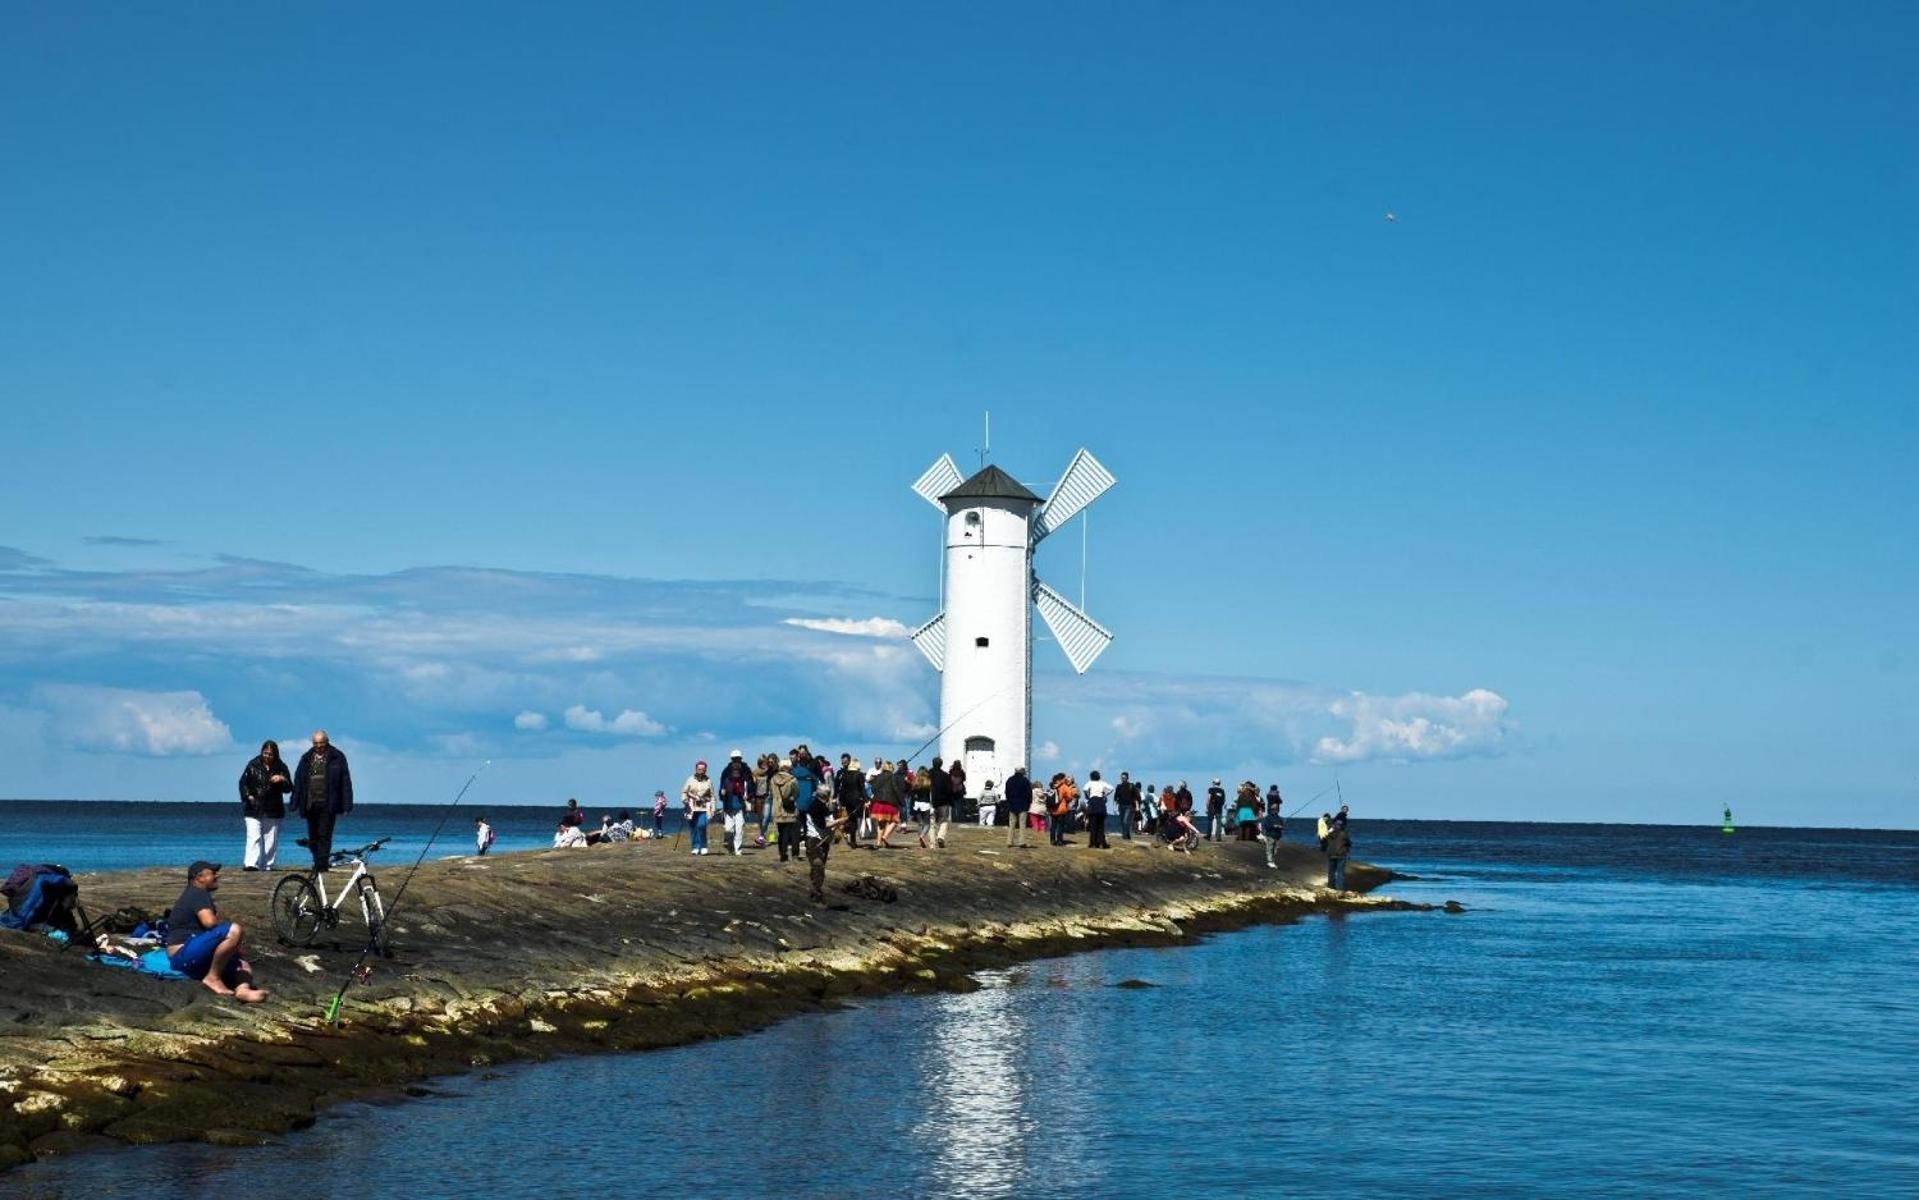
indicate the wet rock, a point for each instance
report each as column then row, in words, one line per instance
column 1134, row 984
column 63, row 1142
column 236, row 1137
column 1453, row 906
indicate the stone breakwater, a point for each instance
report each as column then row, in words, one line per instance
column 528, row 956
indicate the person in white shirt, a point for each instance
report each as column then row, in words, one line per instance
column 990, row 799
column 482, row 836
column 1097, row 794
column 565, row 837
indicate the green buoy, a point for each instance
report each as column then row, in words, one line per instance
column 1726, row 827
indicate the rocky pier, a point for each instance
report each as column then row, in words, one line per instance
column 532, row 955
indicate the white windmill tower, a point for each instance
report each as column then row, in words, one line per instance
column 981, row 642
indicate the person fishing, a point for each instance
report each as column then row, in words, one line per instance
column 818, row 826
column 1339, row 848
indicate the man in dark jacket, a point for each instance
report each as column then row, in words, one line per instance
column 322, row 791
column 849, row 788
column 1215, row 812
column 1339, row 847
column 941, row 784
column 736, row 788
column 1019, row 798
column 1126, row 798
column 817, row 825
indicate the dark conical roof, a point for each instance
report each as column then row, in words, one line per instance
column 991, row 484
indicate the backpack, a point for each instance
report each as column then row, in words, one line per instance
column 50, row 898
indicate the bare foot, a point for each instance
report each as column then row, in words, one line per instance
column 246, row 993
column 212, row 984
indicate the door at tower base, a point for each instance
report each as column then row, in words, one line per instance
column 981, row 764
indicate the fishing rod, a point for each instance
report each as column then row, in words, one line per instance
column 956, row 720
column 1306, row 804
column 360, row 969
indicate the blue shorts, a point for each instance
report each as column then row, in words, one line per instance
column 195, row 955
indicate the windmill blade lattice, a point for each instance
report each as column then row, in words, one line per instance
column 940, row 478
column 1082, row 638
column 1085, row 481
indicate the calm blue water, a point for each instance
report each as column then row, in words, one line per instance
column 115, row 835
column 1625, row 1011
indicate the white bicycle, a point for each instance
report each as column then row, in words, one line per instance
column 301, row 908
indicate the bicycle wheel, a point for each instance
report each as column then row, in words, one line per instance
column 296, row 910
column 373, row 908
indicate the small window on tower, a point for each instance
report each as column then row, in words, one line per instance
column 981, row 642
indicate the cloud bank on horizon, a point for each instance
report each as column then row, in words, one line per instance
column 452, row 661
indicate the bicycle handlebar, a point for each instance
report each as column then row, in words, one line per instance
column 349, row 855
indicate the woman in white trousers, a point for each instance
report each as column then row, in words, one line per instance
column 263, row 789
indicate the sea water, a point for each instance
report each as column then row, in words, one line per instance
column 111, row 835
column 1623, row 1011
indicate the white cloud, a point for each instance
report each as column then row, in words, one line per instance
column 630, row 722
column 460, row 744
column 414, row 656
column 874, row 627
column 1047, row 751
column 1212, row 724
column 1416, row 727
column 161, row 724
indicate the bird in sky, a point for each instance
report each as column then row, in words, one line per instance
column 1391, row 216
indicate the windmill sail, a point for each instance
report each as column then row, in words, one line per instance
column 1085, row 481
column 1081, row 637
column 940, row 478
column 931, row 640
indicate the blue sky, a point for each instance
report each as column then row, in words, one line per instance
column 647, row 317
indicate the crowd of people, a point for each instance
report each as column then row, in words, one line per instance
column 800, row 803
column 869, row 805
column 874, row 803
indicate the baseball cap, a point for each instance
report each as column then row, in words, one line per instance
column 736, row 754
column 199, row 865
